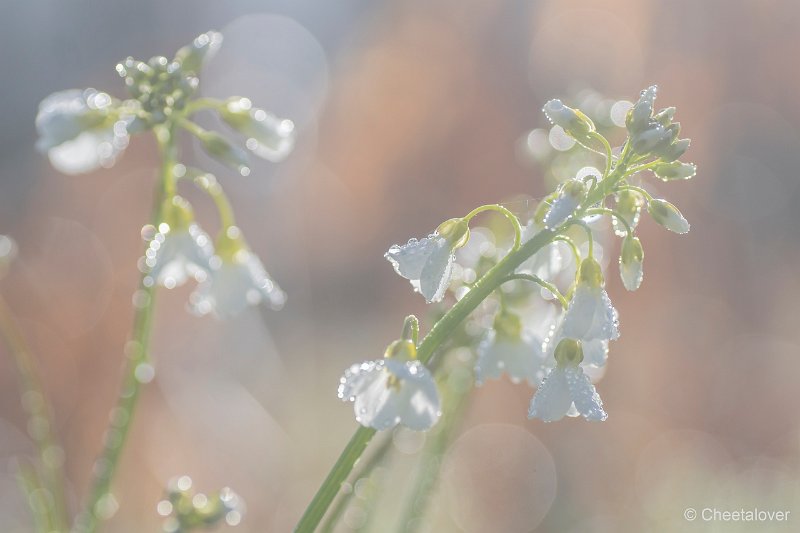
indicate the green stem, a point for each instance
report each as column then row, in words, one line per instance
column 208, row 183
column 511, row 217
column 615, row 214
column 439, row 333
column 575, row 252
column 41, row 424
column 536, row 279
column 608, row 150
column 137, row 355
column 200, row 104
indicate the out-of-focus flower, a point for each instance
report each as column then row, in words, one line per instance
column 268, row 136
column 389, row 391
column 570, row 196
column 237, row 279
column 567, row 389
column 428, row 263
column 590, row 315
column 507, row 348
column 80, row 130
column 192, row 56
column 181, row 249
column 668, row 216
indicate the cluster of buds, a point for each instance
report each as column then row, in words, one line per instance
column 185, row 510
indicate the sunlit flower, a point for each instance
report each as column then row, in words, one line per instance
column 237, row 279
column 630, row 263
column 80, row 131
column 567, row 390
column 595, row 352
column 388, row 391
column 507, row 348
column 668, row 216
column 572, row 121
column 570, row 196
column 590, row 315
column 428, row 263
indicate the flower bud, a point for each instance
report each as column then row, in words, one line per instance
column 675, row 171
column 644, row 141
column 570, row 196
column 668, row 216
column 401, row 349
column 639, row 115
column 456, row 231
column 664, row 117
column 630, row 262
column 628, row 207
column 203, row 47
column 508, row 325
column 675, row 150
column 568, row 352
column 571, row 120
column 224, row 151
column 268, row 136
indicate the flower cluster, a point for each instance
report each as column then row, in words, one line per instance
column 556, row 338
column 82, row 130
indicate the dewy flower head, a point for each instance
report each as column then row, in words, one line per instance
column 507, row 348
column 81, row 130
column 268, row 136
column 567, row 388
column 428, row 263
column 397, row 389
column 181, row 249
column 590, row 315
column 570, row 195
column 237, row 279
column 630, row 262
column 668, row 216
column 572, row 121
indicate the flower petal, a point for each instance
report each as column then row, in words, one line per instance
column 435, row 276
column 522, row 360
column 552, row 400
column 584, row 395
column 417, row 400
column 591, row 316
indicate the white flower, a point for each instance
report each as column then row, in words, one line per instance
column 570, row 196
column 233, row 284
column 571, row 120
column 547, row 262
column 520, row 358
column 595, row 352
column 427, row 263
column 268, row 136
column 177, row 255
column 388, row 392
column 78, row 132
column 590, row 315
column 566, row 390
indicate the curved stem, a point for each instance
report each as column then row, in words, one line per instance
column 607, row 147
column 40, row 421
column 439, row 333
column 137, row 355
column 200, row 104
column 578, row 222
column 208, row 183
column 641, row 191
column 615, row 214
column 536, row 279
column 575, row 253
column 511, row 217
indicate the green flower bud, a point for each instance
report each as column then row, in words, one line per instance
column 204, row 46
column 568, row 353
column 401, row 349
column 664, row 117
column 508, row 325
column 639, row 115
column 630, row 262
column 456, row 231
column 268, row 136
column 224, row 151
column 675, row 150
column 675, row 171
column 668, row 216
column 628, row 207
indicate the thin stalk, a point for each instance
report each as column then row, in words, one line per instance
column 542, row 283
column 41, row 424
column 137, row 355
column 438, row 334
column 511, row 217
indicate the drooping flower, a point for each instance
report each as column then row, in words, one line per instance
column 508, row 348
column 428, row 263
column 572, row 121
column 237, row 280
column 181, row 249
column 397, row 389
column 595, row 352
column 590, row 315
column 81, row 130
column 567, row 390
column 570, row 195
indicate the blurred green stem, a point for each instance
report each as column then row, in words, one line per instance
column 137, row 353
column 441, row 331
column 41, row 427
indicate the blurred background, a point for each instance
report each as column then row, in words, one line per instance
column 410, row 113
